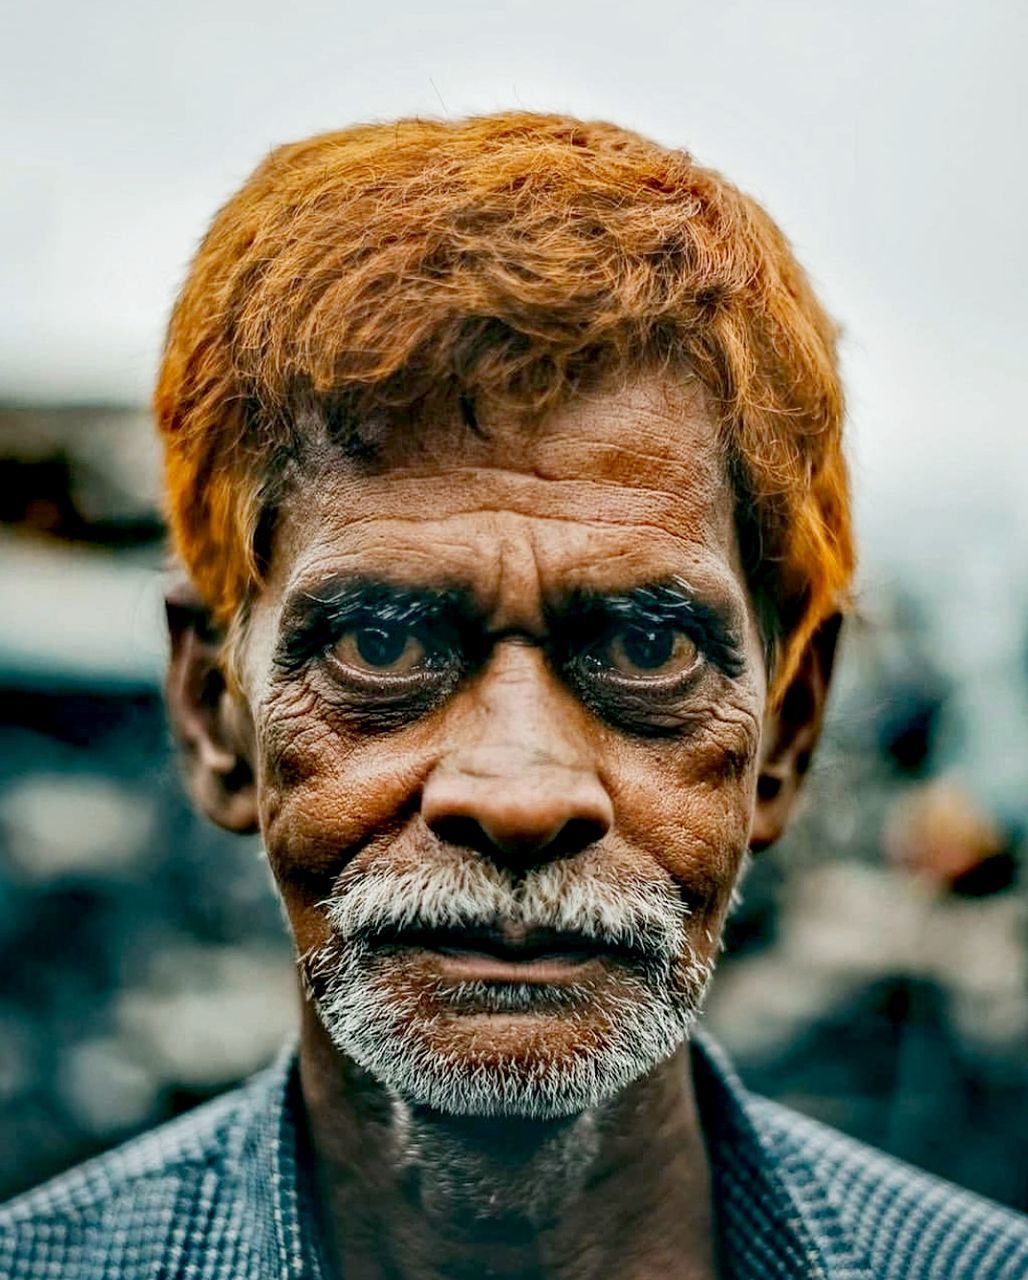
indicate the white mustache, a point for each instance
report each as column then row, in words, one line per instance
column 455, row 890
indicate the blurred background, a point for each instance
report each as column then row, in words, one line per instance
column 877, row 971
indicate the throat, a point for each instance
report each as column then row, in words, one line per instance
column 495, row 1173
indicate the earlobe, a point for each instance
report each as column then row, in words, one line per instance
column 207, row 721
column 790, row 736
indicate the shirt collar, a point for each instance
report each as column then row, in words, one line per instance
column 774, row 1218
column 278, row 1188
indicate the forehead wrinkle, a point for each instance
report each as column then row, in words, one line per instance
column 579, row 502
column 478, row 543
column 643, row 463
column 342, row 523
column 334, row 548
column 676, row 414
column 559, row 456
column 356, row 488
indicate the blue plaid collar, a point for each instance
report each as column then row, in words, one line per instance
column 775, row 1221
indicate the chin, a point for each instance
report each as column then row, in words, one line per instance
column 536, row 1049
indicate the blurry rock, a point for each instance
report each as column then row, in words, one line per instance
column 56, row 825
column 209, row 1016
column 840, row 925
column 845, row 926
column 16, row 1058
column 105, row 1088
column 976, row 950
column 910, row 721
column 939, row 833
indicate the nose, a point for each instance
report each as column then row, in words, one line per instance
column 520, row 784
column 514, row 809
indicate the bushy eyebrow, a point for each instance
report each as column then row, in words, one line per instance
column 313, row 620
column 672, row 603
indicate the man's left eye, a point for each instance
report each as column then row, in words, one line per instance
column 381, row 648
column 646, row 653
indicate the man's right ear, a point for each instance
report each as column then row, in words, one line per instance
column 209, row 723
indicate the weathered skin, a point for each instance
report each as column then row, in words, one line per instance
column 615, row 491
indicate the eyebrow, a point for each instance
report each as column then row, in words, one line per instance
column 313, row 620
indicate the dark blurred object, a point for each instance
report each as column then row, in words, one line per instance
column 147, row 966
column 937, row 832
column 887, row 1065
column 83, row 474
column 909, row 723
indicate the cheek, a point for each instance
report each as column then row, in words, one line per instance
column 688, row 802
column 325, row 792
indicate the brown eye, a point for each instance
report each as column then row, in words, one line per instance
column 381, row 649
column 643, row 653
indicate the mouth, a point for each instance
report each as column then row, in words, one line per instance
column 507, row 953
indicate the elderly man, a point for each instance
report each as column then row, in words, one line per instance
column 504, row 460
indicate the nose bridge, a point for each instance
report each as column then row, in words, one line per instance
column 520, row 781
column 523, row 720
column 520, row 704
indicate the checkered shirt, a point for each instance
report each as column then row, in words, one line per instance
column 223, row 1194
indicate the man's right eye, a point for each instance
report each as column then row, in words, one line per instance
column 381, row 649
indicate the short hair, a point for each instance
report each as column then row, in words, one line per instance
column 518, row 257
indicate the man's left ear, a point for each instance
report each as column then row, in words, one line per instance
column 790, row 736
column 211, row 725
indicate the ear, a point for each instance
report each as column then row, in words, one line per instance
column 790, row 736
column 210, row 724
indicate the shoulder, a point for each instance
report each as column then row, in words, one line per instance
column 908, row 1224
column 119, row 1214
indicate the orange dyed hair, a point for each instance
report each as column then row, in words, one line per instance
column 518, row 257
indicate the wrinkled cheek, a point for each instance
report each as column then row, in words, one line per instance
column 706, row 859
column 690, row 809
column 323, row 798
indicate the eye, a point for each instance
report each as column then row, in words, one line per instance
column 646, row 653
column 381, row 648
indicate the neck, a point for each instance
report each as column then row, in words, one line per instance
column 411, row 1194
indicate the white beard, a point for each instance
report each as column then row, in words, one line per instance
column 375, row 1014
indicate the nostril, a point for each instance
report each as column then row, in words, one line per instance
column 463, row 831
column 518, row 816
column 577, row 834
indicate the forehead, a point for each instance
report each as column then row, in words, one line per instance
column 611, row 489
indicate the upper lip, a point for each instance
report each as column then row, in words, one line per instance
column 505, row 941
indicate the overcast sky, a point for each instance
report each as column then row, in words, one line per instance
column 887, row 138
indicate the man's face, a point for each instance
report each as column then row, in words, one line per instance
column 507, row 690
